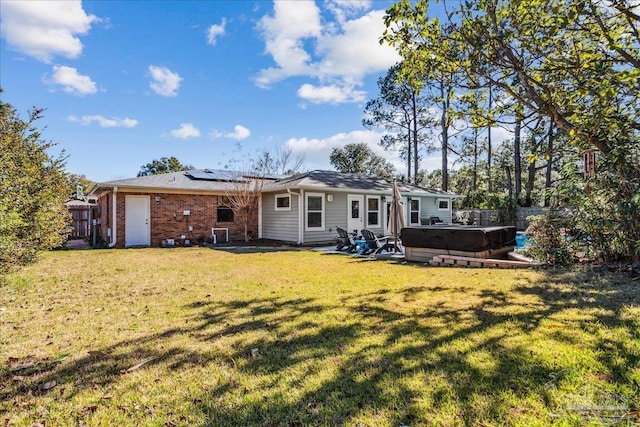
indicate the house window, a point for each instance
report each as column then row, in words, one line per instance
column 283, row 202
column 225, row 214
column 315, row 211
column 443, row 204
column 373, row 211
column 414, row 206
column 355, row 209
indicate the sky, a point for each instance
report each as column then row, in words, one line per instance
column 127, row 82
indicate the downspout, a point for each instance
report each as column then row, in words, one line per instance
column 300, row 215
column 114, row 229
column 260, row 216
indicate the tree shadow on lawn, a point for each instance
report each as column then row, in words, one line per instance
column 366, row 359
column 477, row 375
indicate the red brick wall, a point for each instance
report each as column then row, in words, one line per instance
column 105, row 216
column 168, row 222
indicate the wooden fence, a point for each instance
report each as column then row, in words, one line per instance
column 82, row 215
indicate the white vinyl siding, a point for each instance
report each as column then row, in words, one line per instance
column 284, row 225
column 279, row 225
column 429, row 208
column 335, row 216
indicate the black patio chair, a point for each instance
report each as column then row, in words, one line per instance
column 376, row 244
column 435, row 220
column 345, row 241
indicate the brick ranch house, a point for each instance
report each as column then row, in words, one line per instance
column 179, row 208
column 302, row 209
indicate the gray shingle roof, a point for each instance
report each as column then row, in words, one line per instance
column 332, row 179
column 338, row 181
column 319, row 180
column 166, row 182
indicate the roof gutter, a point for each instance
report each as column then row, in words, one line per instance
column 300, row 216
column 114, row 229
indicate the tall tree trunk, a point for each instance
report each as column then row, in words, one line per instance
column 409, row 153
column 531, row 178
column 516, row 155
column 474, row 183
column 547, row 182
column 416, row 159
column 445, row 136
column 489, row 148
column 507, row 170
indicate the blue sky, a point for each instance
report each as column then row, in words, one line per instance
column 126, row 82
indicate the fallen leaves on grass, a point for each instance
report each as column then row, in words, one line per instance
column 88, row 410
column 139, row 365
column 60, row 358
column 313, row 408
column 24, row 365
column 48, row 385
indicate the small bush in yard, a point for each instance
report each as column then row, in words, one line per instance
column 548, row 235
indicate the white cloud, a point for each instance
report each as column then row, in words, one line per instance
column 332, row 94
column 45, row 29
column 338, row 54
column 342, row 9
column 185, row 131
column 71, row 81
column 239, row 132
column 284, row 34
column 104, row 122
column 214, row 31
column 164, row 82
column 316, row 151
column 356, row 51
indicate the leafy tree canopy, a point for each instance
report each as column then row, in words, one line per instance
column 164, row 165
column 359, row 158
column 33, row 189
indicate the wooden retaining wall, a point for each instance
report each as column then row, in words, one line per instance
column 458, row 261
column 427, row 254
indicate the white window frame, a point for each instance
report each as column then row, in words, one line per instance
column 379, row 224
column 443, row 209
column 306, row 211
column 409, row 202
column 282, row 196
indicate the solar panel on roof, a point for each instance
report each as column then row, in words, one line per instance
column 198, row 175
column 215, row 175
column 221, row 175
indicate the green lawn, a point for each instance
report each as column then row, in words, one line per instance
column 173, row 337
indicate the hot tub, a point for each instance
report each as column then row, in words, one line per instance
column 423, row 243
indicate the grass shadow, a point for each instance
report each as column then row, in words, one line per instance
column 553, row 350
